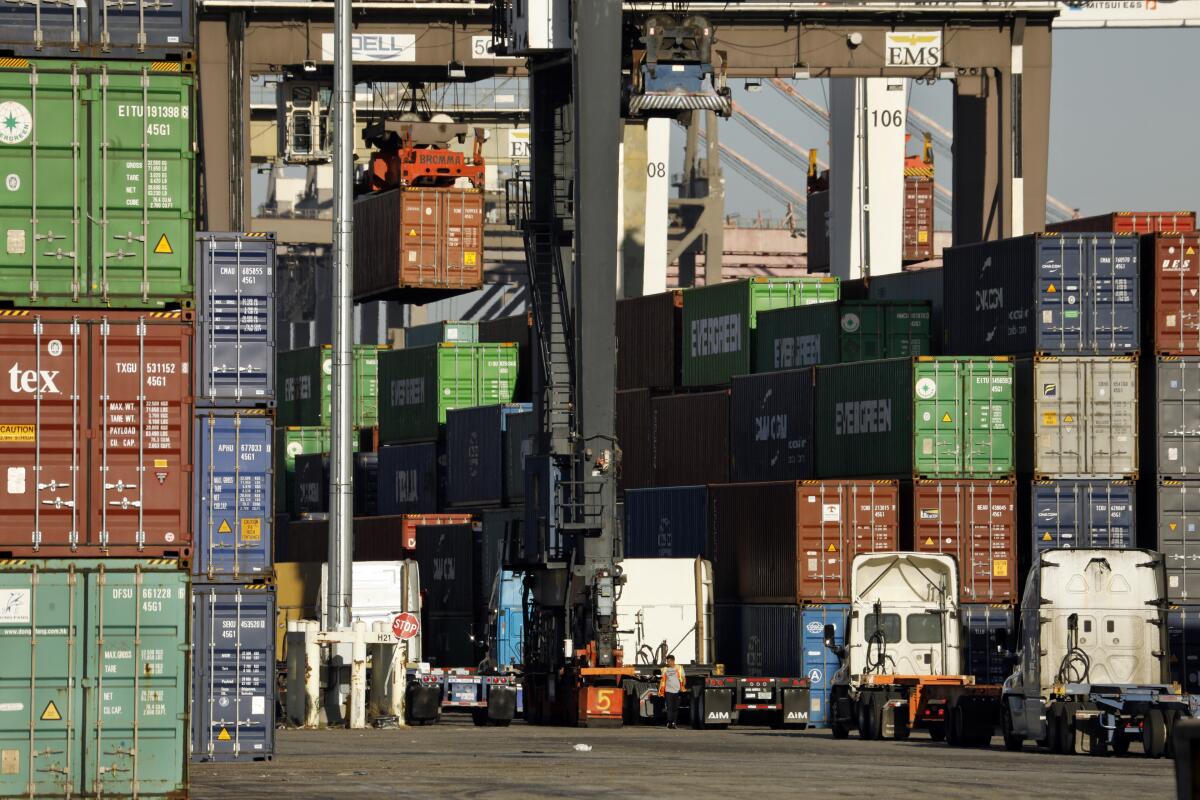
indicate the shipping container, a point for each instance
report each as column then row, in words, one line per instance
column 1176, row 515
column 291, row 442
column 447, row 558
column 719, row 322
column 1183, row 632
column 771, row 426
column 1077, row 514
column 418, row 386
column 454, row 332
column 417, row 244
column 305, row 386
column 411, row 478
column 518, row 330
column 234, row 490
column 477, row 443
column 1171, row 293
column 235, row 340
column 832, row 333
column 450, row 640
column 1170, row 406
column 1128, row 222
column 233, row 672
column 312, row 484
column 296, row 587
column 817, row 239
column 375, row 538
column 379, row 591
column 635, row 437
column 493, row 529
column 112, row 147
column 758, row 640
column 520, row 442
column 792, row 542
column 648, row 341
column 508, row 642
column 1078, row 417
column 690, row 438
column 43, row 28
column 987, row 632
column 976, row 522
column 817, row 662
column 666, row 523
column 918, row 285
column 70, row 629
column 917, row 230
column 932, row 417
column 1069, row 294
column 107, row 397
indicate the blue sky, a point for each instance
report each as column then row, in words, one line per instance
column 1124, row 125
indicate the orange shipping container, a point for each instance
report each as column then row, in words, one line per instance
column 918, row 218
column 976, row 522
column 418, row 244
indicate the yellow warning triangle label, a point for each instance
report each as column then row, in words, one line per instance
column 412, row 231
column 164, row 246
column 1174, row 525
column 51, row 712
column 928, row 540
column 832, row 549
column 1045, row 537
column 1051, row 290
column 224, row 736
column 224, row 527
column 946, row 417
column 1191, row 251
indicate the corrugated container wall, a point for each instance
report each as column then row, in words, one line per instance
column 520, row 442
column 98, row 30
column 96, row 444
column 918, row 219
column 771, row 426
column 1078, row 417
column 312, row 484
column 1176, row 515
column 1128, row 222
column 418, row 244
column 648, row 331
column 1170, row 407
column 410, row 478
column 983, row 647
column 1183, row 631
column 832, row 333
column 449, row 640
column 817, row 662
column 691, row 438
column 235, row 338
column 818, row 231
column 456, row 332
column 1171, row 293
column 976, row 522
column 1070, row 294
column 1079, row 514
column 448, row 563
column 719, row 322
column 375, row 538
column 476, row 443
column 493, row 529
column 518, row 330
column 234, row 495
column 935, row 417
column 120, row 624
column 233, row 672
column 756, row 640
column 666, row 523
column 792, row 542
column 291, row 442
column 919, row 285
column 112, row 146
column 635, row 437
column 305, row 386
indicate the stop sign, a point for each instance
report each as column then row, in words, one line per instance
column 406, row 625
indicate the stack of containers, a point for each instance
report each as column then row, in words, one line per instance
column 98, row 334
column 233, row 578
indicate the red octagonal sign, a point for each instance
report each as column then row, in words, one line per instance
column 406, row 625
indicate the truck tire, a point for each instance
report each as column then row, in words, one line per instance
column 839, row 729
column 1013, row 742
column 1170, row 717
column 1154, row 733
column 868, row 716
column 1066, row 728
column 479, row 716
column 1120, row 744
column 1054, row 721
column 937, row 731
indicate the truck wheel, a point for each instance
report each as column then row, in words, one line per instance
column 868, row 717
column 839, row 729
column 1012, row 741
column 1054, row 721
column 937, row 731
column 1120, row 744
column 1170, row 717
column 954, row 732
column 499, row 723
column 1154, row 733
column 479, row 717
column 1066, row 728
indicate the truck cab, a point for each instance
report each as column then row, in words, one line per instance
column 1092, row 665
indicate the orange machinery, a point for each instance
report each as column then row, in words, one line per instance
column 409, row 153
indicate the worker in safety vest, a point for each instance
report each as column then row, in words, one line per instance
column 670, row 686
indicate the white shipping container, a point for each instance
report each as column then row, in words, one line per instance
column 381, row 590
column 666, row 600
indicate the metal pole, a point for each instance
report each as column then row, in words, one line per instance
column 341, row 494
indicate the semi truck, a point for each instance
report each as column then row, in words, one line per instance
column 900, row 661
column 1092, row 666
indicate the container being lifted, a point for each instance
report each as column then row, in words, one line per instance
column 418, row 235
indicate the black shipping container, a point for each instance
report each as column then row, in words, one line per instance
column 520, row 441
column 312, row 484
column 690, row 438
column 446, row 639
column 648, row 355
column 519, row 330
column 409, row 478
column 771, row 426
column 759, row 639
column 635, row 437
column 670, row 522
column 446, row 557
column 982, row 651
column 912, row 285
column 491, row 532
column 1183, row 630
column 475, row 462
column 104, row 29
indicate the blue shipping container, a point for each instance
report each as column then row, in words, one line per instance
column 1183, row 631
column 817, row 662
column 771, row 426
column 233, row 672
column 1066, row 294
column 475, row 448
column 409, row 479
column 981, row 652
column 1083, row 514
column 234, row 488
column 108, row 30
column 666, row 523
column 235, row 326
column 759, row 640
column 507, row 650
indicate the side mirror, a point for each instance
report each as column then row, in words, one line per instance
column 830, row 636
column 1002, row 639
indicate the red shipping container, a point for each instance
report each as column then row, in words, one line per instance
column 648, row 336
column 375, row 538
column 793, row 541
column 1128, row 222
column 95, row 440
column 918, row 219
column 976, row 522
column 1171, row 306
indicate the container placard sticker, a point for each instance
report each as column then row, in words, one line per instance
column 831, row 512
column 16, row 123
column 15, row 606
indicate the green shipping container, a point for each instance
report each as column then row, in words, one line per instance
column 94, row 696
column 419, row 385
column 437, row 332
column 929, row 417
column 100, row 183
column 304, row 391
column 289, row 443
column 719, row 322
column 833, row 333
